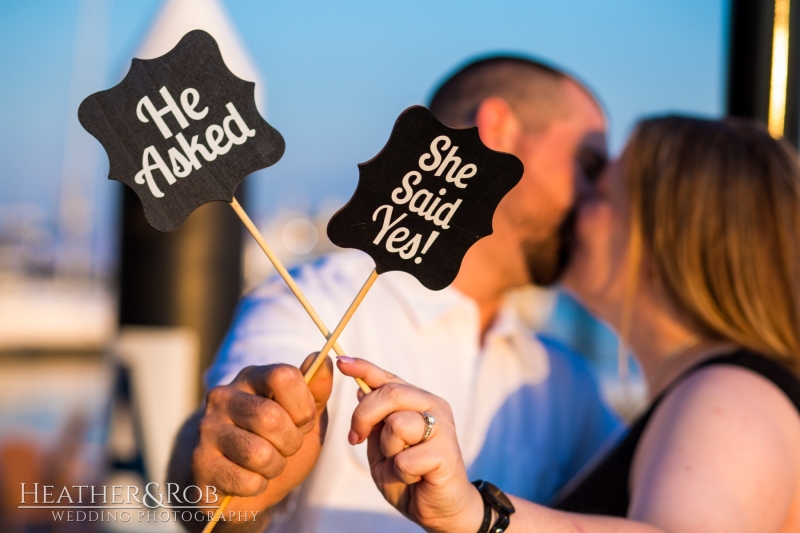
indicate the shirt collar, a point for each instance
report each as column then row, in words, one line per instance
column 509, row 330
column 424, row 305
column 507, row 324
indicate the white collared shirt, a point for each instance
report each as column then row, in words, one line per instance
column 527, row 412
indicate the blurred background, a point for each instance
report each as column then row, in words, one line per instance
column 106, row 325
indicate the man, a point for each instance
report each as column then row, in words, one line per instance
column 528, row 412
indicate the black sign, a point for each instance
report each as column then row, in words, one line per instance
column 181, row 130
column 426, row 198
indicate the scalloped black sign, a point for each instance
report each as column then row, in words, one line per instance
column 426, row 198
column 181, row 130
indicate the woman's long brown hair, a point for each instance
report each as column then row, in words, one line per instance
column 715, row 205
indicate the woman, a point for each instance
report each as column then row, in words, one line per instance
column 691, row 251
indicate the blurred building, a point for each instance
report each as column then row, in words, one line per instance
column 83, row 400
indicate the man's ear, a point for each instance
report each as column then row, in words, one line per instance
column 498, row 126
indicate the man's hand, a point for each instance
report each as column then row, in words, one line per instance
column 260, row 436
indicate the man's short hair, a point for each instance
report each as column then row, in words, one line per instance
column 534, row 90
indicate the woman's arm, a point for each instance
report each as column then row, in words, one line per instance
column 532, row 518
column 719, row 454
column 427, row 481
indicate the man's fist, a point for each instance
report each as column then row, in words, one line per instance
column 260, row 436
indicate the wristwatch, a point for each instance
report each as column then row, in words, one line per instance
column 494, row 499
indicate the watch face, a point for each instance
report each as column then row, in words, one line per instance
column 503, row 501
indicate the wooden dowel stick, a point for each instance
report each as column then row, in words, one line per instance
column 331, row 337
column 221, row 509
column 340, row 327
column 291, row 284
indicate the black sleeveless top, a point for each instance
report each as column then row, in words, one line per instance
column 605, row 489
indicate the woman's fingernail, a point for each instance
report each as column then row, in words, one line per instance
column 352, row 437
column 346, row 360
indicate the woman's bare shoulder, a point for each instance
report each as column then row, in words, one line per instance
column 720, row 450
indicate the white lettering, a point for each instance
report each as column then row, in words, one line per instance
column 409, row 192
column 429, row 214
column 235, row 117
column 409, row 250
column 387, row 221
column 172, row 490
column 454, row 174
column 98, row 494
column 465, row 172
column 192, row 149
column 451, row 158
column 394, row 243
column 146, row 174
column 431, row 238
column 184, row 159
column 35, row 493
column 156, row 115
column 64, row 494
column 135, row 495
column 450, row 210
column 426, row 195
column 437, row 157
column 181, row 166
column 398, row 235
column 199, row 494
column 215, row 134
column 188, row 107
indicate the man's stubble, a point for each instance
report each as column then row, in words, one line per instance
column 547, row 258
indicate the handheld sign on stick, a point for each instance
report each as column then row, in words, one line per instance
column 182, row 130
column 421, row 203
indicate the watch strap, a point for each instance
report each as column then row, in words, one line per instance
column 487, row 515
column 501, row 525
column 490, row 501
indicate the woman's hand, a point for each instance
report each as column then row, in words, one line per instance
column 426, row 481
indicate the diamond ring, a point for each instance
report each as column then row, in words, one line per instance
column 429, row 422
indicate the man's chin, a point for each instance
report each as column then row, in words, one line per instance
column 547, row 262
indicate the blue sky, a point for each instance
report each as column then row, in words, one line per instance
column 338, row 74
